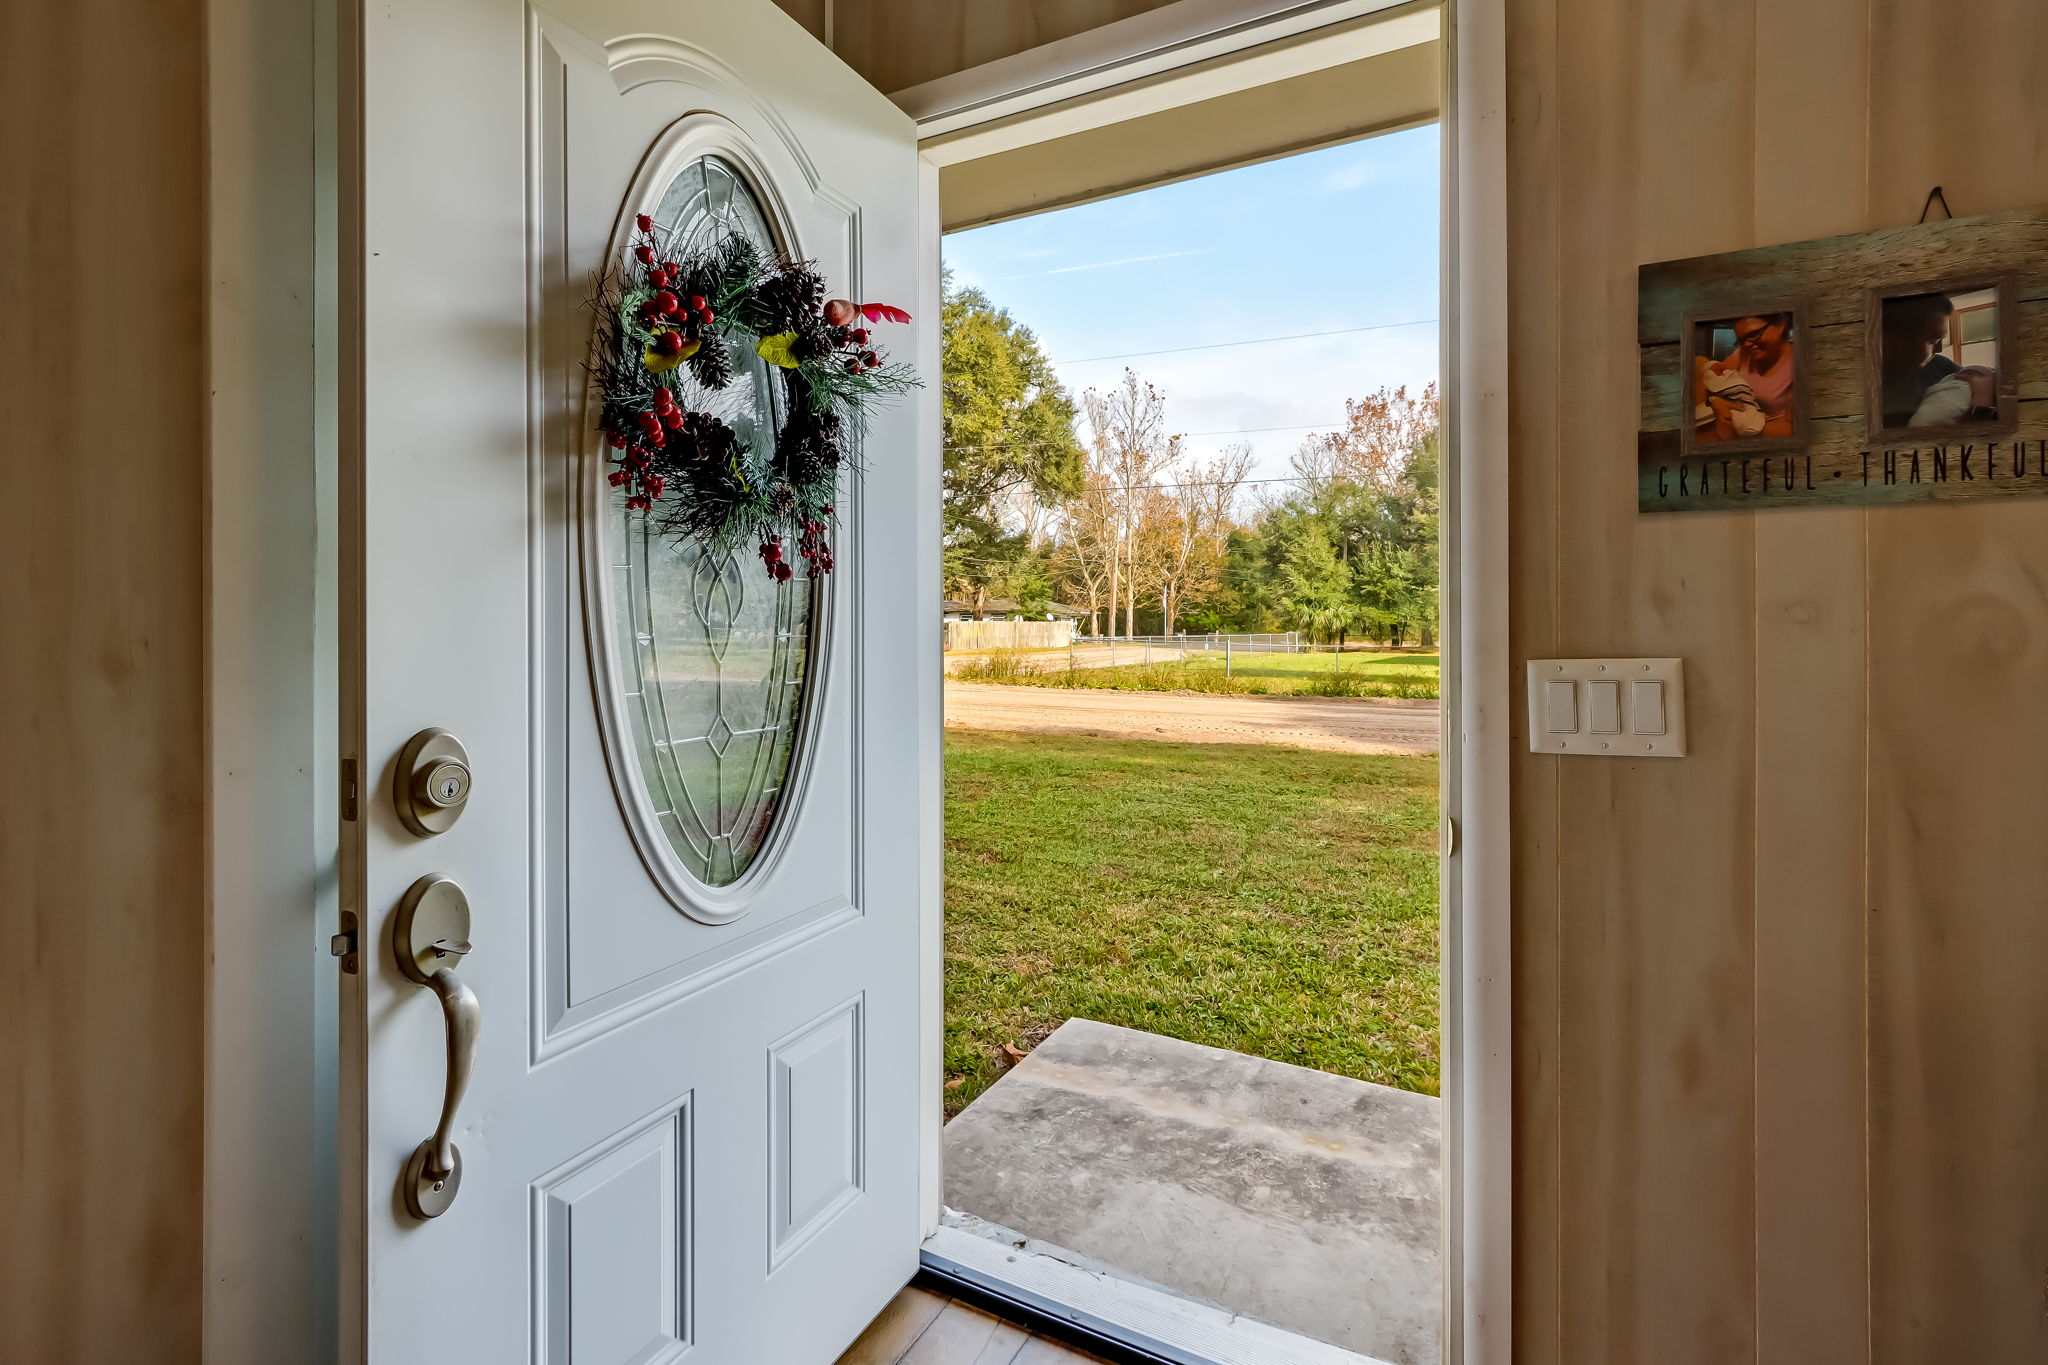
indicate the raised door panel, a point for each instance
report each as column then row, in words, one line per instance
column 612, row 1253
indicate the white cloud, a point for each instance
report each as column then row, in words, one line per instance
column 1344, row 179
column 1237, row 395
column 1129, row 260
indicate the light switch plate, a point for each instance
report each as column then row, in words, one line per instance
column 1610, row 708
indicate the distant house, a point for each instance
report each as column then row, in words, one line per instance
column 1003, row 609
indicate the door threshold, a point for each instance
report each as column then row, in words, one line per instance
column 1091, row 1306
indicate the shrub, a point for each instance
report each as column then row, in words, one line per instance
column 997, row 666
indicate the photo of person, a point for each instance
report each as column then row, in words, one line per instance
column 1745, row 381
column 1938, row 360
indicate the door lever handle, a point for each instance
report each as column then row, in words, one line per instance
column 429, row 936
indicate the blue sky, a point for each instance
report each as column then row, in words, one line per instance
column 1341, row 238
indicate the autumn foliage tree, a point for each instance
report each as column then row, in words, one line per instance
column 1351, row 548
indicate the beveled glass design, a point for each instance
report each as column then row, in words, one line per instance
column 714, row 657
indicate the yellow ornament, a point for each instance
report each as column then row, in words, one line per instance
column 662, row 364
column 776, row 350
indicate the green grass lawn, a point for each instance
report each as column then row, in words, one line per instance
column 1354, row 674
column 1275, row 901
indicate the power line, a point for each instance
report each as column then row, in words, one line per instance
column 1253, row 431
column 1236, row 431
column 1217, row 483
column 1251, row 341
column 1222, row 483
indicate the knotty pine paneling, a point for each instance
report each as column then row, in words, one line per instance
column 1811, row 1242
column 1655, row 857
column 810, row 13
column 1534, row 520
column 1780, row 1035
column 901, row 43
column 102, row 474
column 1958, row 1050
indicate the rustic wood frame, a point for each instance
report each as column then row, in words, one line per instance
column 1689, row 446
column 2008, row 404
column 1834, row 279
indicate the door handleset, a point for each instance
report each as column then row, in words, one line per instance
column 429, row 937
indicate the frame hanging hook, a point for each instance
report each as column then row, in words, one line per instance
column 1935, row 196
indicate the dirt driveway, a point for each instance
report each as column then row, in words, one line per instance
column 1343, row 724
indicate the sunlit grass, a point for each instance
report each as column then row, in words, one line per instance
column 1279, row 902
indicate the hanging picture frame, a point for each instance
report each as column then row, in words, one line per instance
column 1747, row 380
column 1918, row 369
column 1967, row 321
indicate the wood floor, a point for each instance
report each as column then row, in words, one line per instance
column 922, row 1328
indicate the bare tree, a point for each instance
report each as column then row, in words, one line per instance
column 1198, row 510
column 1089, row 548
column 1129, row 445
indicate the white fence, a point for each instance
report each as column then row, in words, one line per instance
column 1110, row 651
column 1008, row 635
column 1282, row 642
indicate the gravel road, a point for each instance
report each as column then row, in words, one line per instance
column 1346, row 725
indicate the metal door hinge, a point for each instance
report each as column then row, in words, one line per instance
column 348, row 789
column 1450, row 841
column 343, row 945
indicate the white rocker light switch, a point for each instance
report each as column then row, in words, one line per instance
column 1614, row 708
column 1561, row 708
column 1603, row 707
column 1646, row 707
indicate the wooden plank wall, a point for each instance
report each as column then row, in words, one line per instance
column 1780, row 1013
column 101, row 652
column 900, row 43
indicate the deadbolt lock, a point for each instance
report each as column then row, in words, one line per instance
column 432, row 782
column 444, row 784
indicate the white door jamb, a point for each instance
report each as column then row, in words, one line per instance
column 1477, row 690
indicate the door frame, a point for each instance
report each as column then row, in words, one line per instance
column 1046, row 93
column 273, row 778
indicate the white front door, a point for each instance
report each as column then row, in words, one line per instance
column 698, row 843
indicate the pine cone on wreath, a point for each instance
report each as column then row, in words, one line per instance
column 793, row 295
column 711, row 366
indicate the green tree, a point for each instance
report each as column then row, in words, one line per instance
column 1313, row 586
column 1009, row 443
column 1030, row 583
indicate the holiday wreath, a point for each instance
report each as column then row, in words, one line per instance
column 696, row 478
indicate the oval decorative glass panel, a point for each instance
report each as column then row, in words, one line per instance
column 712, row 659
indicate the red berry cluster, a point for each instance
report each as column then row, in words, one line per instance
column 816, row 549
column 813, row 542
column 636, row 466
column 854, row 352
column 671, row 318
column 771, row 558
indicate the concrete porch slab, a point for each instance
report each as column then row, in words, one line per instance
column 1304, row 1200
